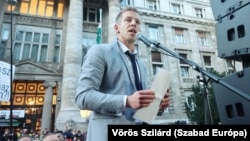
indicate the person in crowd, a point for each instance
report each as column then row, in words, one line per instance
column 45, row 132
column 25, row 132
column 25, row 138
column 68, row 134
column 19, row 133
column 36, row 137
column 77, row 135
column 5, row 136
column 60, row 135
column 51, row 137
column 107, row 85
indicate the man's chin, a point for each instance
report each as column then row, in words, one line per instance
column 131, row 40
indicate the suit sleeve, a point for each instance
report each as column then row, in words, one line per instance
column 88, row 93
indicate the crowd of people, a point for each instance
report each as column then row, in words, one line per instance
column 57, row 135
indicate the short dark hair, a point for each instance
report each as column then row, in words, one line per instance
column 129, row 8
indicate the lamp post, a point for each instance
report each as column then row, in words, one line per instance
column 11, row 3
column 85, row 115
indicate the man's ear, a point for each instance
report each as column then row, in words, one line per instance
column 116, row 28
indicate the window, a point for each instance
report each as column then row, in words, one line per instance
column 183, row 56
column 57, row 48
column 153, row 33
column 156, row 61
column 46, row 8
column 152, row 4
column 156, row 56
column 11, row 7
column 127, row 2
column 184, row 71
column 4, row 38
column 202, row 38
column 60, row 9
column 207, row 62
column 88, row 39
column 91, row 14
column 199, row 13
column 179, row 35
column 87, row 42
column 5, row 34
column 184, row 67
column 31, row 45
column 176, row 8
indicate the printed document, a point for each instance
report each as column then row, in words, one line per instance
column 160, row 85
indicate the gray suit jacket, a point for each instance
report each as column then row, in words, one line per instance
column 104, row 80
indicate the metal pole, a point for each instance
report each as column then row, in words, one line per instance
column 11, row 3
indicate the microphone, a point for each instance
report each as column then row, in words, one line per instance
column 146, row 41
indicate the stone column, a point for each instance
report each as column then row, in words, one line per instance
column 58, row 98
column 47, row 105
column 51, row 51
column 114, row 9
column 72, row 65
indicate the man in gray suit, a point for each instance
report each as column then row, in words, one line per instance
column 106, row 84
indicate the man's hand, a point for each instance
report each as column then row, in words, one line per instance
column 165, row 101
column 140, row 99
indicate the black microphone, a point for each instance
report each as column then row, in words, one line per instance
column 146, row 41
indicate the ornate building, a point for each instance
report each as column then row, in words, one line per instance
column 50, row 38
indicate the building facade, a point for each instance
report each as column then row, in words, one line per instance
column 46, row 40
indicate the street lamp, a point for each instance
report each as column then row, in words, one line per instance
column 11, row 3
column 85, row 115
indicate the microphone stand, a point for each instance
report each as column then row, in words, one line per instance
column 156, row 46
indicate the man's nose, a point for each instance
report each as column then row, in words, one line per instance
column 133, row 23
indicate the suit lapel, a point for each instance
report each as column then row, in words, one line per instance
column 129, row 70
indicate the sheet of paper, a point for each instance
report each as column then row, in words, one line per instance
column 160, row 85
column 5, row 83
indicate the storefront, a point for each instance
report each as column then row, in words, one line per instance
column 27, row 108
